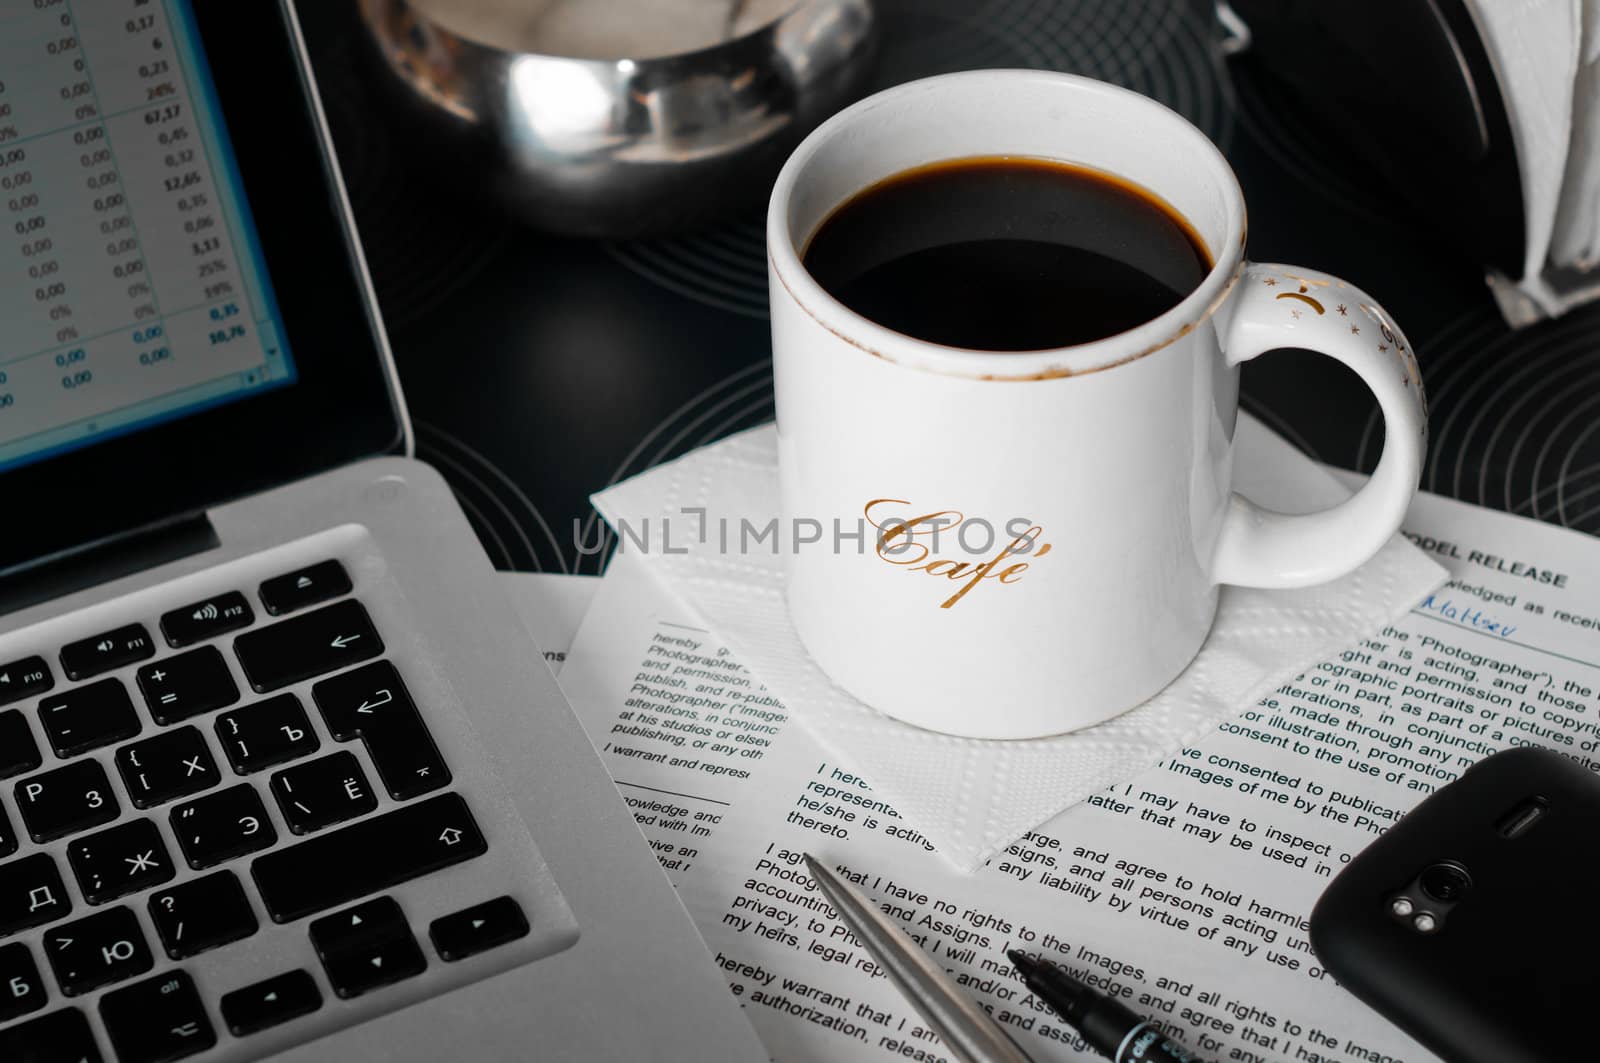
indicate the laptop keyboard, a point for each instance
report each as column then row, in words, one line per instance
column 169, row 813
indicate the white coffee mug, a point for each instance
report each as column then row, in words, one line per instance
column 1046, row 530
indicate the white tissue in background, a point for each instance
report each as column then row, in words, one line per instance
column 970, row 797
column 1576, row 239
column 1533, row 45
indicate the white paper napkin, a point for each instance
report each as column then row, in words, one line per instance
column 1534, row 47
column 971, row 797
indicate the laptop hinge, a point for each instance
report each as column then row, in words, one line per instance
column 109, row 559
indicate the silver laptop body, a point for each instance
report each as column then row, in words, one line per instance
column 285, row 776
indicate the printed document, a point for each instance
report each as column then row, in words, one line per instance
column 1185, row 893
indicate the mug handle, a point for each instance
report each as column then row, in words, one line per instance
column 1286, row 306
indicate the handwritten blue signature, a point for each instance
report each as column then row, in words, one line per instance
column 1467, row 616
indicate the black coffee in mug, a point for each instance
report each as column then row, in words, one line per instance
column 1001, row 253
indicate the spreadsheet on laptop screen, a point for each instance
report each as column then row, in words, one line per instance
column 132, row 288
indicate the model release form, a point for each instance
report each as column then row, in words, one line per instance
column 1184, row 892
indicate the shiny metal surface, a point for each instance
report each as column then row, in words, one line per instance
column 964, row 1027
column 625, row 147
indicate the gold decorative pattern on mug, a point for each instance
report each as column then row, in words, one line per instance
column 1391, row 341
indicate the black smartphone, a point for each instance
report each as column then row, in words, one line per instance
column 1474, row 922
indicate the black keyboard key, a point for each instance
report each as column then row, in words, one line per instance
column 355, row 927
column 18, row 751
column 206, row 619
column 31, row 894
column 296, row 590
column 21, row 988
column 66, row 801
column 367, row 947
column 175, row 764
column 270, row 1003
column 8, row 839
column 478, row 929
column 371, row 703
column 374, row 966
column 266, row 734
column 218, row 828
column 322, row 641
column 101, row 653
column 375, row 854
column 97, row 950
column 187, row 685
column 127, row 858
column 158, row 1020
column 322, row 792
column 83, row 718
column 59, row 1037
column 202, row 914
column 24, row 678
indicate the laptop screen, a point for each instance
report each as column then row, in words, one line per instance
column 132, row 284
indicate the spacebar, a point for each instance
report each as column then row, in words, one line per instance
column 372, row 855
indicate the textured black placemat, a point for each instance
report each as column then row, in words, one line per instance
column 538, row 370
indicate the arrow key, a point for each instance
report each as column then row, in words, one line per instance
column 365, row 947
column 374, row 965
column 157, row 1020
column 478, row 929
column 308, row 645
column 270, row 1003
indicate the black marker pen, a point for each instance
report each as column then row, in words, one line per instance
column 1103, row 1022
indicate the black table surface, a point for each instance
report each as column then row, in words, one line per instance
column 539, row 369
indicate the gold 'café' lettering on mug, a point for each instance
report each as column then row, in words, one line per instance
column 898, row 545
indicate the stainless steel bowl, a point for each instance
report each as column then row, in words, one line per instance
column 626, row 147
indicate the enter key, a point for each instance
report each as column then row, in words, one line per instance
column 372, row 704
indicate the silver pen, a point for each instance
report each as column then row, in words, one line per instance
column 964, row 1027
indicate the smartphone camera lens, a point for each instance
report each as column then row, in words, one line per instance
column 1445, row 883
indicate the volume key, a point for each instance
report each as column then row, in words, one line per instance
column 24, row 678
column 206, row 619
column 101, row 653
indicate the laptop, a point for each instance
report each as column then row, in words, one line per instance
column 281, row 773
